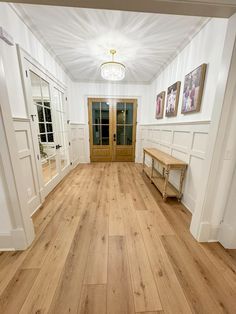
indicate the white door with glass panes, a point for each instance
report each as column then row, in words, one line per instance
column 49, row 130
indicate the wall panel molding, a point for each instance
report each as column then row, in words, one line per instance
column 185, row 141
column 79, row 143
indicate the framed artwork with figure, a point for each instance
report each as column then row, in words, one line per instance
column 193, row 90
column 160, row 102
column 172, row 99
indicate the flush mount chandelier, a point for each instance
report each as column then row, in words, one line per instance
column 111, row 70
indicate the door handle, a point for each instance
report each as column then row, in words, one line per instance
column 58, row 146
column 114, row 137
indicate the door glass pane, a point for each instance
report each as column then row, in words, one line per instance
column 40, row 114
column 120, row 112
column 104, row 113
column 129, row 114
column 45, row 92
column 49, row 127
column 50, row 137
column 96, row 113
column 41, row 128
column 120, row 135
column 128, row 135
column 96, row 135
column 46, row 170
column 105, row 134
column 35, row 86
column 53, row 166
column 48, row 116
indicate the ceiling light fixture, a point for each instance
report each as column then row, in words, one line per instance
column 113, row 71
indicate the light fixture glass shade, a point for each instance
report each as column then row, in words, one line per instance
column 113, row 71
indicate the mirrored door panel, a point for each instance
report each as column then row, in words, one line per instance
column 61, row 130
column 44, row 126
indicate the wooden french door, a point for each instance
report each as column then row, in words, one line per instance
column 112, row 128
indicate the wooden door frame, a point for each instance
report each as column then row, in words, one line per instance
column 135, row 103
column 112, row 126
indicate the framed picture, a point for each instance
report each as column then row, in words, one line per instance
column 160, row 102
column 193, row 89
column 172, row 99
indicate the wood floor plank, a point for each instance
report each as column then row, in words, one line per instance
column 146, row 297
column 82, row 268
column 40, row 297
column 11, row 262
column 119, row 290
column 171, row 293
column 17, row 291
column 192, row 275
column 96, row 271
column 68, row 292
column 93, row 300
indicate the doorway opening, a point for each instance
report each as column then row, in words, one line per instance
column 112, row 129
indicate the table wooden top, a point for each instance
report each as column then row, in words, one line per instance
column 164, row 158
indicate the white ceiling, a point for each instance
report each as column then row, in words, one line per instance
column 81, row 38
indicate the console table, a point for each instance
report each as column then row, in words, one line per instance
column 161, row 180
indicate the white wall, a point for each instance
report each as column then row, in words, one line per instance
column 22, row 35
column 205, row 47
column 81, row 92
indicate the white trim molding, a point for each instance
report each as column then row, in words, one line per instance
column 185, row 141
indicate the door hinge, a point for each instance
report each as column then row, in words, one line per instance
column 66, row 98
column 71, row 163
column 38, row 157
column 69, row 143
column 26, row 73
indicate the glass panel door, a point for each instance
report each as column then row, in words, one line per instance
column 100, row 113
column 61, row 130
column 124, row 130
column 45, row 128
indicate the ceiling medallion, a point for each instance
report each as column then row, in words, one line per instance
column 111, row 70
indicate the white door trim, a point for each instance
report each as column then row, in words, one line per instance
column 22, row 233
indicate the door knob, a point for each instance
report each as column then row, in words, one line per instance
column 58, row 146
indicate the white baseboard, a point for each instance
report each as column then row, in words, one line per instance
column 208, row 232
column 227, row 236
column 14, row 240
column 6, row 242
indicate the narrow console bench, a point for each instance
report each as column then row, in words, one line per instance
column 168, row 163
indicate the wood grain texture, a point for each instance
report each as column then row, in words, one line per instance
column 107, row 243
column 119, row 290
column 93, row 300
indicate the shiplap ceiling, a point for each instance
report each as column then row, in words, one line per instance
column 81, row 38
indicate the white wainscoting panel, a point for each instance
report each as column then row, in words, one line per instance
column 27, row 161
column 79, row 143
column 185, row 141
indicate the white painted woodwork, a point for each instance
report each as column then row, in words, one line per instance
column 27, row 162
column 179, row 140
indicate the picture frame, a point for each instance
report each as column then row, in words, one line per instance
column 193, row 89
column 160, row 104
column 172, row 99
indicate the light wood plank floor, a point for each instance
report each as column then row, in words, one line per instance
column 107, row 243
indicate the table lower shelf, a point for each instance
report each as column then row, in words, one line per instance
column 158, row 180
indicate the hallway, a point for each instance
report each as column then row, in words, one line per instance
column 107, row 243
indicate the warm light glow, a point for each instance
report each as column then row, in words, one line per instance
column 113, row 71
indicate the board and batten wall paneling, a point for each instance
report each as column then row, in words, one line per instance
column 79, row 143
column 185, row 141
column 27, row 161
